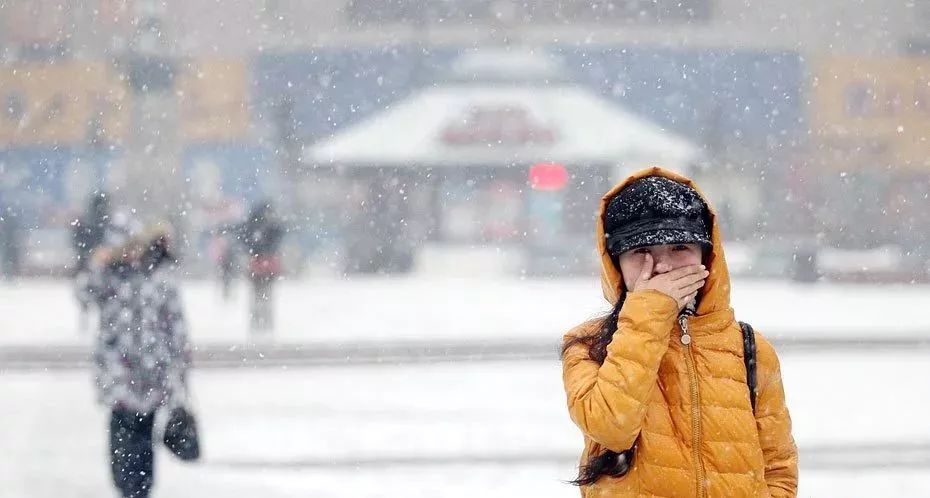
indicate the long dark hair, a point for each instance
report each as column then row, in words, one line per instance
column 609, row 462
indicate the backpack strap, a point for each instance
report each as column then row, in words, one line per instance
column 749, row 357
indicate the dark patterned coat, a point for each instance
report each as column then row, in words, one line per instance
column 142, row 354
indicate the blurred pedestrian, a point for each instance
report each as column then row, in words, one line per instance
column 261, row 234
column 673, row 395
column 223, row 254
column 142, row 355
column 10, row 238
column 88, row 234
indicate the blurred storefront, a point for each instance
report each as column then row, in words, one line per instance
column 454, row 162
column 454, row 133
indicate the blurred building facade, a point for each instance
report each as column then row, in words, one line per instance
column 812, row 118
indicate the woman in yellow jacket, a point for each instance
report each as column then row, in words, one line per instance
column 659, row 386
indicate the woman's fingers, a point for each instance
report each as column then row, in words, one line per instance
column 685, row 272
column 687, row 293
column 685, row 300
column 693, row 277
column 679, row 284
column 688, row 289
column 646, row 271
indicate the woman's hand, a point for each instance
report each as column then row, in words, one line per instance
column 681, row 284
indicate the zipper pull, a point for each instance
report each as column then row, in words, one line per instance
column 685, row 336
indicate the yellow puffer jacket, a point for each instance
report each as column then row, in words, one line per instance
column 686, row 408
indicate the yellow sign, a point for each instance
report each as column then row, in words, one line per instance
column 872, row 112
column 213, row 95
column 69, row 102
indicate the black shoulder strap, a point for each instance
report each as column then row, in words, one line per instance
column 749, row 357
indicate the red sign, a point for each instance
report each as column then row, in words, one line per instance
column 548, row 176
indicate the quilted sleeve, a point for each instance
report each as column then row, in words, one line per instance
column 608, row 401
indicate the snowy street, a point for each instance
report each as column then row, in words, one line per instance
column 445, row 424
column 440, row 430
column 328, row 311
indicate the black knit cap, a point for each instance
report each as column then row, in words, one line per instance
column 655, row 210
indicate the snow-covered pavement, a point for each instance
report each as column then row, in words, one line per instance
column 451, row 430
column 377, row 310
column 457, row 429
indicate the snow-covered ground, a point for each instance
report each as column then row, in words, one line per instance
column 453, row 429
column 444, row 430
column 43, row 312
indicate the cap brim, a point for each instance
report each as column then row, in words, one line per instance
column 663, row 236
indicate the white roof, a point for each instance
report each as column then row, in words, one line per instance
column 460, row 124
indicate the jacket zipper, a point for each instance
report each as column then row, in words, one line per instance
column 695, row 406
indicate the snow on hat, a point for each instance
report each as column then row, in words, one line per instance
column 653, row 211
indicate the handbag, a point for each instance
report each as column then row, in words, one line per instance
column 180, row 434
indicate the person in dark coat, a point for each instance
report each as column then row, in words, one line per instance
column 89, row 230
column 10, row 239
column 261, row 235
column 224, row 252
column 88, row 234
column 142, row 356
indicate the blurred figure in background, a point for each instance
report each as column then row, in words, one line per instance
column 261, row 235
column 142, row 355
column 10, row 239
column 89, row 232
column 223, row 253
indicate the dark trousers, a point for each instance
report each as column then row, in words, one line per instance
column 131, row 453
column 261, row 315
